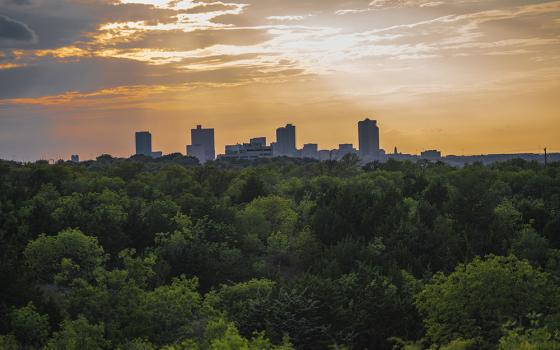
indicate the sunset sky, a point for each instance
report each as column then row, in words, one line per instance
column 462, row 76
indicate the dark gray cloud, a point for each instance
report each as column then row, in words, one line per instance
column 63, row 22
column 92, row 74
column 14, row 33
column 16, row 2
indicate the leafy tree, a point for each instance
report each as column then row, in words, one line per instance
column 476, row 299
column 68, row 250
column 243, row 303
column 78, row 334
column 170, row 313
column 528, row 244
column 30, row 328
column 530, row 339
column 329, row 254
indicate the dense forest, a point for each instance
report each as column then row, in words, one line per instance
column 139, row 254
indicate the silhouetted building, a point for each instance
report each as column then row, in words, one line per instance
column 75, row 158
column 157, row 154
column 144, row 143
column 255, row 149
column 344, row 149
column 202, row 144
column 431, row 155
column 285, row 141
column 258, row 141
column 310, row 150
column 325, row 155
column 368, row 134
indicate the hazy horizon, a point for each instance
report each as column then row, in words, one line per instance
column 460, row 76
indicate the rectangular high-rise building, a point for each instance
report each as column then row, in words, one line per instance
column 202, row 144
column 368, row 134
column 144, row 143
column 286, row 141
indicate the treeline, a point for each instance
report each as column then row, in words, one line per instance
column 138, row 254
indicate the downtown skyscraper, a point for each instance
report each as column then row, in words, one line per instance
column 144, row 143
column 368, row 135
column 286, row 141
column 202, row 144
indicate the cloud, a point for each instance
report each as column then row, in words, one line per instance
column 404, row 3
column 94, row 73
column 16, row 2
column 14, row 33
column 389, row 4
column 287, row 18
column 212, row 7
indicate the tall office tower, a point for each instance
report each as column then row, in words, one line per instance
column 202, row 144
column 368, row 134
column 286, row 141
column 144, row 143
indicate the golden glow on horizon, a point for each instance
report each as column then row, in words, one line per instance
column 463, row 76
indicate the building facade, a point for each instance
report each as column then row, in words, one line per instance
column 202, row 144
column 144, row 143
column 432, row 154
column 368, row 134
column 285, row 141
column 310, row 150
column 255, row 149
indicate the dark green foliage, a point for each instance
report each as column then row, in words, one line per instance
column 278, row 253
column 477, row 299
column 29, row 327
column 77, row 335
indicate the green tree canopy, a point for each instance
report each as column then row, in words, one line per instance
column 478, row 298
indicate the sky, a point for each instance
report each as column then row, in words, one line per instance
column 461, row 76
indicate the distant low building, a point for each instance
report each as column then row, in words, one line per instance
column 310, row 150
column 431, row 155
column 157, row 154
column 75, row 158
column 325, row 155
column 258, row 141
column 255, row 149
column 345, row 149
column 396, row 155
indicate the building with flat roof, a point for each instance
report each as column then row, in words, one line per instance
column 344, row 149
column 144, row 143
column 255, row 149
column 368, row 135
column 310, row 150
column 285, row 141
column 202, row 144
column 431, row 155
column 157, row 154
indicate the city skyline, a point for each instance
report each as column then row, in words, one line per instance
column 463, row 76
column 204, row 145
